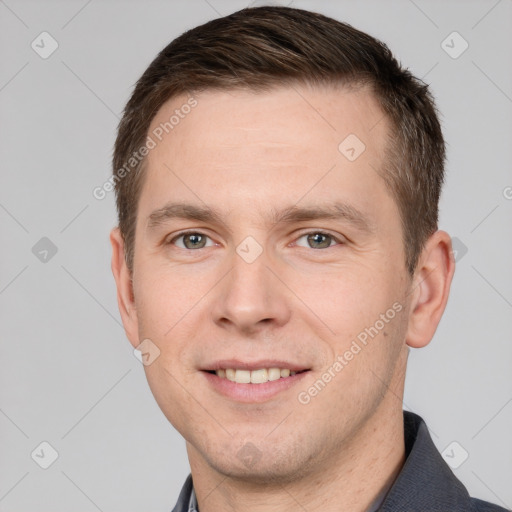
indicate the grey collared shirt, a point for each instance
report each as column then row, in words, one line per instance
column 192, row 503
column 425, row 483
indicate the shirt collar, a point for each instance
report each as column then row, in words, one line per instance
column 425, row 479
column 192, row 502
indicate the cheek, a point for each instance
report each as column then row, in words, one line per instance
column 360, row 371
column 169, row 313
column 164, row 298
column 345, row 300
column 360, row 320
column 170, row 390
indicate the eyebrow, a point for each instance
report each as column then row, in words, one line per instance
column 291, row 214
column 182, row 211
column 336, row 211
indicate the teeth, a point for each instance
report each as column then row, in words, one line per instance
column 259, row 376
column 274, row 373
column 243, row 376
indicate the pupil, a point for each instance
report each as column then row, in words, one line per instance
column 194, row 239
column 319, row 239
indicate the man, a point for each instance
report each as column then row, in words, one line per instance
column 277, row 177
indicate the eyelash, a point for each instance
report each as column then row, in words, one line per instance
column 314, row 232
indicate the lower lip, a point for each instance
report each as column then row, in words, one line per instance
column 249, row 393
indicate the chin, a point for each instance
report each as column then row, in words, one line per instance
column 271, row 465
column 264, row 474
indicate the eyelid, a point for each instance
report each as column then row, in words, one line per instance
column 170, row 241
column 340, row 239
column 336, row 237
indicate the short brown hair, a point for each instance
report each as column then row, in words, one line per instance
column 258, row 48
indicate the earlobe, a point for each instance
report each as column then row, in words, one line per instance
column 431, row 287
column 123, row 278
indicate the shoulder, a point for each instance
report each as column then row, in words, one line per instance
column 426, row 483
column 485, row 506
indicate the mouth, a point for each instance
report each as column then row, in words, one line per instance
column 257, row 376
column 258, row 382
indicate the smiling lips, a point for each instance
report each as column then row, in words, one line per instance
column 259, row 376
column 253, row 381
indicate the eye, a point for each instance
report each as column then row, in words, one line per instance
column 191, row 240
column 318, row 240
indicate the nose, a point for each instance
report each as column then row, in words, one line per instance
column 251, row 297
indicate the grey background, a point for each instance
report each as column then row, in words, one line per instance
column 69, row 376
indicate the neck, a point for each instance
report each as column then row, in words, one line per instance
column 351, row 480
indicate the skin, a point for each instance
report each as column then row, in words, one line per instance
column 247, row 154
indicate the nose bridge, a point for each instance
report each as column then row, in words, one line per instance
column 250, row 295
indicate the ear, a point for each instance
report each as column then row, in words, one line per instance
column 125, row 297
column 430, row 289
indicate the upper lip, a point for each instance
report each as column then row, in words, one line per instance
column 254, row 365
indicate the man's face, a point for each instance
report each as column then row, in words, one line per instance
column 261, row 285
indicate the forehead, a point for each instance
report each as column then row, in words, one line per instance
column 282, row 115
column 263, row 147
